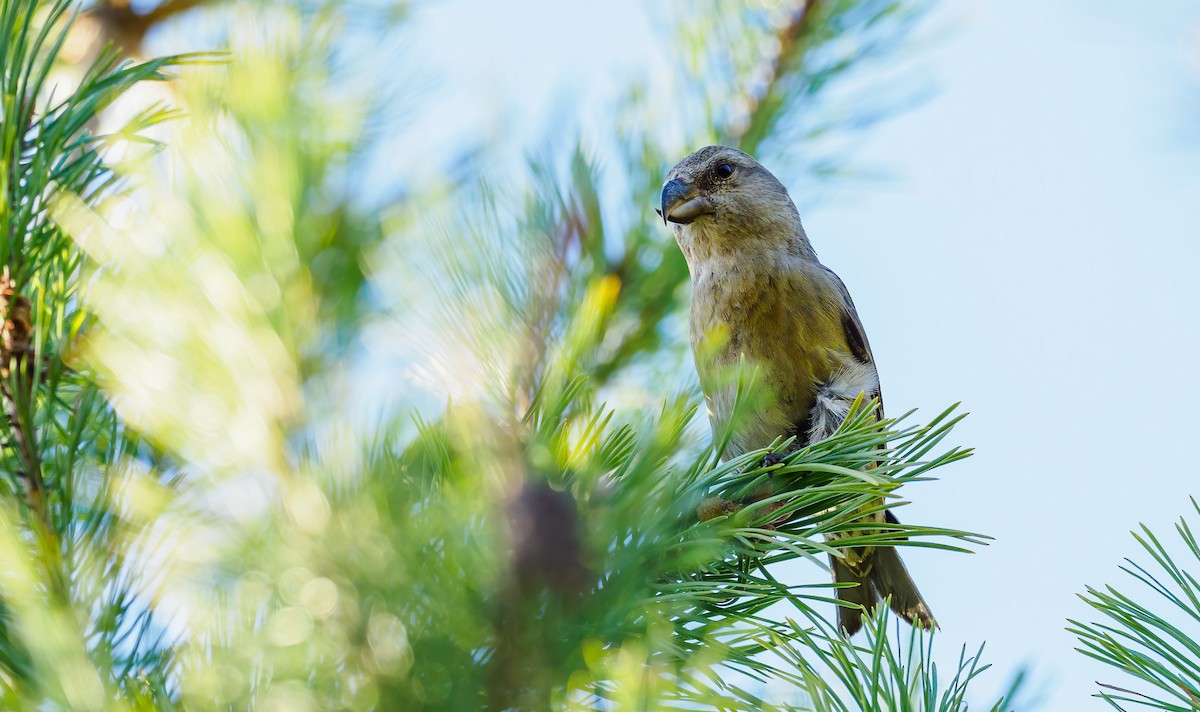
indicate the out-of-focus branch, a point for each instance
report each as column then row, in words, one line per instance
column 15, row 354
column 547, row 571
column 748, row 131
column 764, row 104
column 126, row 28
column 19, row 373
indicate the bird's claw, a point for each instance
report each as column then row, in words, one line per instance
column 771, row 459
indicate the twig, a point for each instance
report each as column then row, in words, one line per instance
column 1122, row 689
column 787, row 36
column 128, row 29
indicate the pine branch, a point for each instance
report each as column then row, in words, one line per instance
column 1154, row 642
column 16, row 355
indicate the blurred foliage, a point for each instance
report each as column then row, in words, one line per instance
column 72, row 630
column 198, row 514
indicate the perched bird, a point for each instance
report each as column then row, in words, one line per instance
column 757, row 282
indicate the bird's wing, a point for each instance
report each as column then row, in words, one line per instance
column 860, row 348
column 856, row 335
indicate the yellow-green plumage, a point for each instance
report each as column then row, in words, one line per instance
column 802, row 315
column 761, row 296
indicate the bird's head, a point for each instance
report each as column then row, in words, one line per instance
column 721, row 200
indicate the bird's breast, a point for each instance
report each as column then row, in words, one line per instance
column 781, row 321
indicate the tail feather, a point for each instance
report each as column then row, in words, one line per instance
column 881, row 575
column 857, row 599
column 877, row 571
column 889, row 577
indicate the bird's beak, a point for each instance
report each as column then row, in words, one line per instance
column 682, row 203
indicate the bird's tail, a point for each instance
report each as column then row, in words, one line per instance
column 879, row 574
column 878, row 571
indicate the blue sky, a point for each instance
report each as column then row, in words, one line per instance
column 1033, row 254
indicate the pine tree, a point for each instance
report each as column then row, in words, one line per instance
column 208, row 505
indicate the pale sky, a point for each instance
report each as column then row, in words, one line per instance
column 1033, row 254
column 1036, row 259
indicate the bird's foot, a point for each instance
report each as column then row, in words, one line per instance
column 771, row 459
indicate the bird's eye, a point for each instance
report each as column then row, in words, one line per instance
column 724, row 170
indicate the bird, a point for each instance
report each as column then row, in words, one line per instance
column 756, row 281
